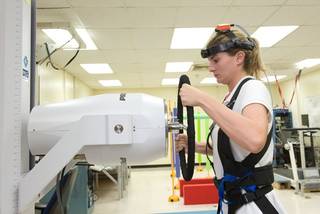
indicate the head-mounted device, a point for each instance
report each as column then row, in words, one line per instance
column 234, row 42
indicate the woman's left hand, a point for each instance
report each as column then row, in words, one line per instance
column 190, row 96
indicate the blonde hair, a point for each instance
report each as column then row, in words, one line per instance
column 253, row 64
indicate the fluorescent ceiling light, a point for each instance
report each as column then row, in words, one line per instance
column 209, row 80
column 97, row 68
column 190, row 38
column 272, row 78
column 178, row 66
column 60, row 37
column 307, row 63
column 83, row 33
column 170, row 81
column 270, row 35
column 110, row 83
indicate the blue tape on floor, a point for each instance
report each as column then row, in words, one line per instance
column 193, row 212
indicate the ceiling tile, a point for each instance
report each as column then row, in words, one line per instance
column 52, row 4
column 151, row 17
column 151, row 38
column 257, row 3
column 176, row 3
column 303, row 36
column 139, row 68
column 113, row 39
column 96, row 3
column 248, row 16
column 102, row 17
column 295, row 15
column 304, row 2
column 52, row 16
column 199, row 16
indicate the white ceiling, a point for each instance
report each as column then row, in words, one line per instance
column 134, row 36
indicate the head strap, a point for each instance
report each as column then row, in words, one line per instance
column 234, row 42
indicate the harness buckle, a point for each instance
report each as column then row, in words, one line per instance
column 245, row 198
column 248, row 197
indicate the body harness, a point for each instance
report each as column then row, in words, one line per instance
column 242, row 183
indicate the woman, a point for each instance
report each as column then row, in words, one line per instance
column 241, row 136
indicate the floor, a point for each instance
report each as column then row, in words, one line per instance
column 149, row 189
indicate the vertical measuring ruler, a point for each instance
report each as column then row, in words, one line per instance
column 11, row 73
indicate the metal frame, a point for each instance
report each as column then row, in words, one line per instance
column 122, row 176
column 300, row 184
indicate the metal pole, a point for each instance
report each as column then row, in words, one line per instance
column 33, row 67
column 294, row 168
column 302, row 150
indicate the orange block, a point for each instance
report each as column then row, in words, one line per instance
column 200, row 194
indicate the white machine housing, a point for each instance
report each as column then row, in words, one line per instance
column 105, row 128
column 133, row 126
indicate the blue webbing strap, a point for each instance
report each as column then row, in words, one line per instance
column 231, row 179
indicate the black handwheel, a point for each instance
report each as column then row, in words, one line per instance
column 186, row 168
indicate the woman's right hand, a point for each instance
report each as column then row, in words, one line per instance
column 181, row 142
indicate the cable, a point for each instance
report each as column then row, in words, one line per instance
column 280, row 92
column 49, row 56
column 72, row 58
column 58, row 67
column 297, row 77
column 295, row 85
column 41, row 61
column 209, row 146
column 241, row 28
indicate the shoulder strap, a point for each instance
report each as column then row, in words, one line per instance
column 236, row 93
